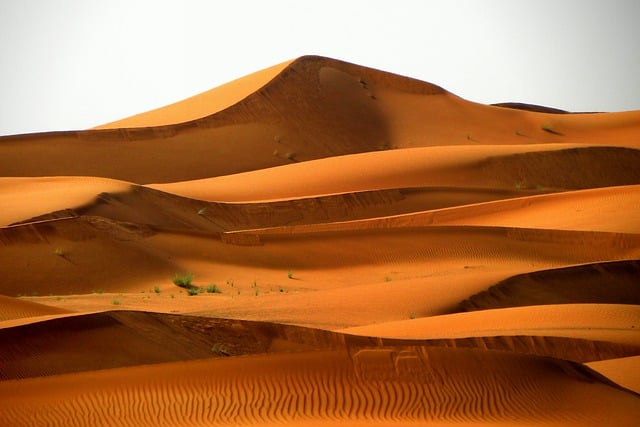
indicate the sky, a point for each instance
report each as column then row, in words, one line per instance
column 75, row 64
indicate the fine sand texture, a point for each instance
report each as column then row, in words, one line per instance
column 317, row 244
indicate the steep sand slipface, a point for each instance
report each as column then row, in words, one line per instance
column 369, row 206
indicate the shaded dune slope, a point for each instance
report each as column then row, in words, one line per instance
column 81, row 343
column 613, row 282
column 78, row 255
column 87, row 253
column 147, row 206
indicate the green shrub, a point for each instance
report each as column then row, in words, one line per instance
column 193, row 291
column 213, row 289
column 156, row 289
column 183, row 280
column 115, row 302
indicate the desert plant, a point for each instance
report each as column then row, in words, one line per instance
column 213, row 289
column 183, row 280
column 290, row 274
column 156, row 289
column 548, row 128
column 193, row 291
column 412, row 316
column 115, row 302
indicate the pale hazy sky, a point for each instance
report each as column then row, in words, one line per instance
column 74, row 64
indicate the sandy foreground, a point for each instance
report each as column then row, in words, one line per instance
column 320, row 243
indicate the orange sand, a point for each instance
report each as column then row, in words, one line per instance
column 383, row 253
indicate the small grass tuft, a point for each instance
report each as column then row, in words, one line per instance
column 115, row 302
column 156, row 289
column 290, row 274
column 183, row 280
column 193, row 291
column 213, row 289
column 548, row 128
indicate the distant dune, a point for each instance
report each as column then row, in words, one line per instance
column 321, row 243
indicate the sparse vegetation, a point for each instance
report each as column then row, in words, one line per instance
column 548, row 128
column 290, row 274
column 387, row 279
column 412, row 316
column 156, row 289
column 183, row 280
column 213, row 289
column 115, row 302
column 193, row 291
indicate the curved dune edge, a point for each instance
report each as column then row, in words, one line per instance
column 24, row 198
column 614, row 282
column 12, row 308
column 391, row 385
column 623, row 371
column 605, row 322
column 496, row 166
column 203, row 104
column 588, row 211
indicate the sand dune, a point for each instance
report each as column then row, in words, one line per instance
column 600, row 322
column 394, row 387
column 10, row 308
column 303, row 246
column 503, row 167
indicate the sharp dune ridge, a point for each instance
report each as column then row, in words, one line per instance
column 323, row 243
